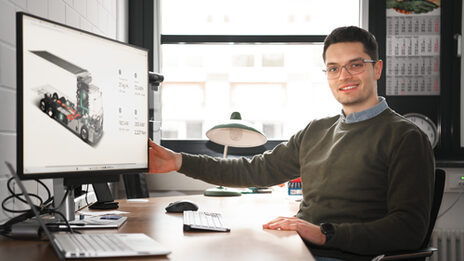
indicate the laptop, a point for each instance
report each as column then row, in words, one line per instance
column 72, row 245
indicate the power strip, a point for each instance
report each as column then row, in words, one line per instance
column 454, row 180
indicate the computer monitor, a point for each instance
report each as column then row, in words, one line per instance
column 82, row 104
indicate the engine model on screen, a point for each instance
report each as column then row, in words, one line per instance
column 83, row 115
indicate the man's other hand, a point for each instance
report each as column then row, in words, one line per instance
column 306, row 230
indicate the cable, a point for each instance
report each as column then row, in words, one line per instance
column 451, row 206
column 42, row 208
column 5, row 228
column 53, row 211
column 42, row 204
column 18, row 197
column 86, row 192
column 46, row 188
column 7, row 225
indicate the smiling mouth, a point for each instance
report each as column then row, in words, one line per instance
column 347, row 88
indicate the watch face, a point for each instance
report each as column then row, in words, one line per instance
column 327, row 229
column 426, row 125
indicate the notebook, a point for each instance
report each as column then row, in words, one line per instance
column 69, row 245
column 97, row 222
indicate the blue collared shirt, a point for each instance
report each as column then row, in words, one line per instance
column 366, row 114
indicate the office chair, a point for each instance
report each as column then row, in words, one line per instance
column 424, row 251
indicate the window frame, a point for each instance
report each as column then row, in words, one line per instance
column 205, row 146
column 240, row 39
column 144, row 30
column 201, row 146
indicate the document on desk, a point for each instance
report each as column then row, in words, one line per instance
column 137, row 200
column 107, row 221
column 102, row 213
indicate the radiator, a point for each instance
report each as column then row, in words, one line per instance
column 450, row 245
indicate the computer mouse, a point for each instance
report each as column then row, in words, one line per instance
column 180, row 206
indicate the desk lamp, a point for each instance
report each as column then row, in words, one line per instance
column 234, row 133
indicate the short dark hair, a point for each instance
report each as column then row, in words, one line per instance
column 353, row 34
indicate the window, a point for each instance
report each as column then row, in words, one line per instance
column 262, row 58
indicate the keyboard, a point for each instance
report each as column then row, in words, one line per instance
column 107, row 245
column 204, row 221
column 91, row 242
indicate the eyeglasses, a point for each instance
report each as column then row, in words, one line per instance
column 354, row 67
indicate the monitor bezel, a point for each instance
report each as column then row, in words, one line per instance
column 111, row 174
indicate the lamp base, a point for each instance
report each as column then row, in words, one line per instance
column 257, row 191
column 222, row 192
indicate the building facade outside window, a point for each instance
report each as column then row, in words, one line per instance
column 222, row 56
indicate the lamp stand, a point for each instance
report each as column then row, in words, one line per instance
column 221, row 191
column 226, row 148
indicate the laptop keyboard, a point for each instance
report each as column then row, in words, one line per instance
column 204, row 221
column 92, row 242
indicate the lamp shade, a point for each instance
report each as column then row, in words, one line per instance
column 236, row 133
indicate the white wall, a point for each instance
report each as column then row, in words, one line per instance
column 104, row 17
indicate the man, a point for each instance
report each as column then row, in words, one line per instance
column 367, row 173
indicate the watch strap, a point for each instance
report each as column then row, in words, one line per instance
column 328, row 230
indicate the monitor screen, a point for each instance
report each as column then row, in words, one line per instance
column 82, row 102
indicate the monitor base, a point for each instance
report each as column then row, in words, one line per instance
column 104, row 205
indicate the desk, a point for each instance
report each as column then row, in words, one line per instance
column 246, row 241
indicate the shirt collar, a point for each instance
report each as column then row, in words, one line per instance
column 366, row 114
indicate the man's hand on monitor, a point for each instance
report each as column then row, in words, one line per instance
column 306, row 230
column 162, row 160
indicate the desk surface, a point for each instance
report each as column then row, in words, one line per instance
column 246, row 241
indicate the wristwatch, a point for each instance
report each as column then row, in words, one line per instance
column 328, row 230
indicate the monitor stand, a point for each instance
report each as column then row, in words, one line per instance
column 104, row 201
column 68, row 206
column 104, row 197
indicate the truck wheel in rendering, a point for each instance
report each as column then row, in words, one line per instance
column 50, row 112
column 84, row 134
column 42, row 105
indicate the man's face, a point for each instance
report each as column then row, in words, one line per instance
column 355, row 92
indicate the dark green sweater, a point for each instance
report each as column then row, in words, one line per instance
column 372, row 179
